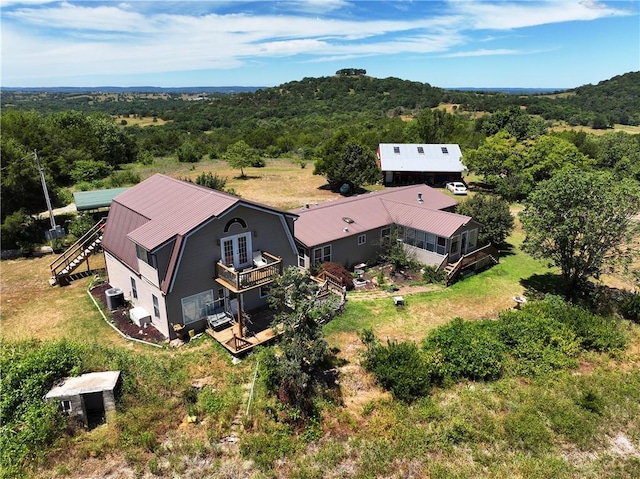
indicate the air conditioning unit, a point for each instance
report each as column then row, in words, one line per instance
column 115, row 298
column 140, row 316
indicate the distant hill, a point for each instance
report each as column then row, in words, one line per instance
column 616, row 100
column 135, row 89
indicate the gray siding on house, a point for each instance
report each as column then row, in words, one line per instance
column 348, row 252
column 201, row 251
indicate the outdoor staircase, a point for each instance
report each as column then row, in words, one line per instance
column 64, row 265
column 476, row 260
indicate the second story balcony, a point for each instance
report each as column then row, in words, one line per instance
column 264, row 269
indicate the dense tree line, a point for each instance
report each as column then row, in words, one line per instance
column 616, row 100
column 332, row 122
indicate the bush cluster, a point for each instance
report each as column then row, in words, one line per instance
column 544, row 336
column 29, row 370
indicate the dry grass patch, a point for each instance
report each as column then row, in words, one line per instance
column 562, row 126
column 282, row 183
column 31, row 308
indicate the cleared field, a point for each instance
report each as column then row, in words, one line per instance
column 562, row 126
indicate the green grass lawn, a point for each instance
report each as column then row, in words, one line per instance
column 478, row 296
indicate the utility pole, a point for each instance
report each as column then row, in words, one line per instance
column 55, row 231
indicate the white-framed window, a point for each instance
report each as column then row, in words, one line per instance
column 362, row 239
column 198, row 306
column 134, row 288
column 322, row 255
column 65, row 406
column 302, row 260
column 235, row 250
column 156, row 306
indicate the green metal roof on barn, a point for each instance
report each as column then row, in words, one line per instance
column 94, row 200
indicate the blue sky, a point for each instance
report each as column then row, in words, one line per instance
column 452, row 43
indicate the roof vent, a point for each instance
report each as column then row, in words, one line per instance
column 346, row 219
column 345, row 229
column 420, row 200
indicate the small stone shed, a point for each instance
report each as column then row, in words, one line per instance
column 87, row 398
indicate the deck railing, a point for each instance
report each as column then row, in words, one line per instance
column 77, row 253
column 328, row 283
column 249, row 278
column 477, row 259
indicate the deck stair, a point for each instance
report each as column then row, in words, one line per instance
column 474, row 261
column 64, row 265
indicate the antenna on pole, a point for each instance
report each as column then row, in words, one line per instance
column 55, row 231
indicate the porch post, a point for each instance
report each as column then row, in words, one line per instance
column 240, row 325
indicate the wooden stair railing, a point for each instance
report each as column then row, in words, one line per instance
column 65, row 264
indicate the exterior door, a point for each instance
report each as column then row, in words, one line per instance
column 235, row 250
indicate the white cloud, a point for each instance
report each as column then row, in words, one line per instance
column 72, row 39
column 509, row 15
column 483, row 53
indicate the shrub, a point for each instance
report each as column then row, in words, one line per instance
column 537, row 343
column 29, row 370
column 19, row 230
column 469, row 350
column 338, row 271
column 188, row 152
column 431, row 274
column 629, row 307
column 145, row 157
column 592, row 401
column 258, row 162
column 594, row 332
column 80, row 225
column 90, row 170
column 212, row 181
column 124, row 177
column 397, row 367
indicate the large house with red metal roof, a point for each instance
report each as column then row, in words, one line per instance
column 353, row 230
column 188, row 255
column 409, row 164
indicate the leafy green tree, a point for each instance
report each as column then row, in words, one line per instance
column 619, row 151
column 434, row 126
column 498, row 156
column 581, row 222
column 90, row 170
column 344, row 162
column 188, row 153
column 292, row 370
column 515, row 121
column 240, row 155
column 20, row 186
column 549, row 154
column 494, row 215
column 19, row 231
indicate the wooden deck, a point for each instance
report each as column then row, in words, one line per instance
column 258, row 331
